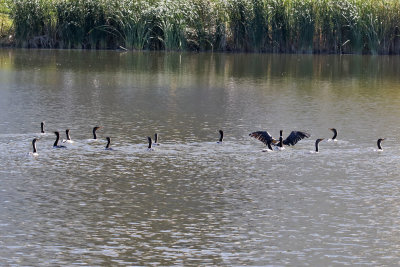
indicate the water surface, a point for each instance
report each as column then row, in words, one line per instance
column 190, row 201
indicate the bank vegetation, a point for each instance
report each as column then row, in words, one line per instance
column 270, row 26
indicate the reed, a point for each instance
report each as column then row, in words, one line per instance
column 80, row 23
column 33, row 23
column 277, row 26
column 132, row 22
column 5, row 21
column 205, row 26
column 170, row 23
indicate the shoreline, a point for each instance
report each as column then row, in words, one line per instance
column 13, row 47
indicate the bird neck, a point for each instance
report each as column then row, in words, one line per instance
column 34, row 147
column 56, row 142
column 316, row 147
column 42, row 127
column 280, row 141
column 68, row 138
column 94, row 134
column 379, row 144
column 155, row 138
column 108, row 143
column 334, row 135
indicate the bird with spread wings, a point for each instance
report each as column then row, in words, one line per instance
column 291, row 140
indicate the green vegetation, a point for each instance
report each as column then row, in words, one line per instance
column 282, row 26
column 5, row 22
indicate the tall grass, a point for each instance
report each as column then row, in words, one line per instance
column 280, row 26
column 132, row 21
column 5, row 21
column 34, row 23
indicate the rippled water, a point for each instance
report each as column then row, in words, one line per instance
column 191, row 201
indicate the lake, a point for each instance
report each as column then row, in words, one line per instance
column 191, row 201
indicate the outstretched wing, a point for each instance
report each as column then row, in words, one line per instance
column 263, row 136
column 294, row 137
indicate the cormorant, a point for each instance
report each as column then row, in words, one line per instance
column 94, row 131
column 108, row 143
column 316, row 144
column 149, row 148
column 68, row 137
column 334, row 134
column 34, row 147
column 55, row 145
column 379, row 143
column 221, row 136
column 42, row 127
column 291, row 140
column 156, row 140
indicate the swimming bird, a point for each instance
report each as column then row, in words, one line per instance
column 334, row 134
column 34, row 153
column 264, row 137
column 108, row 143
column 94, row 131
column 316, row 144
column 68, row 138
column 156, row 140
column 291, row 140
column 280, row 143
column 379, row 143
column 221, row 136
column 42, row 127
column 55, row 145
column 149, row 148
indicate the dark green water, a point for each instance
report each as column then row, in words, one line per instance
column 190, row 201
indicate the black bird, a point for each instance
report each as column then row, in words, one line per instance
column 55, row 145
column 68, row 137
column 379, row 143
column 221, row 136
column 334, row 134
column 42, row 127
column 264, row 137
column 94, row 131
column 149, row 148
column 316, row 144
column 280, row 143
column 291, row 140
column 156, row 140
column 108, row 143
column 34, row 146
